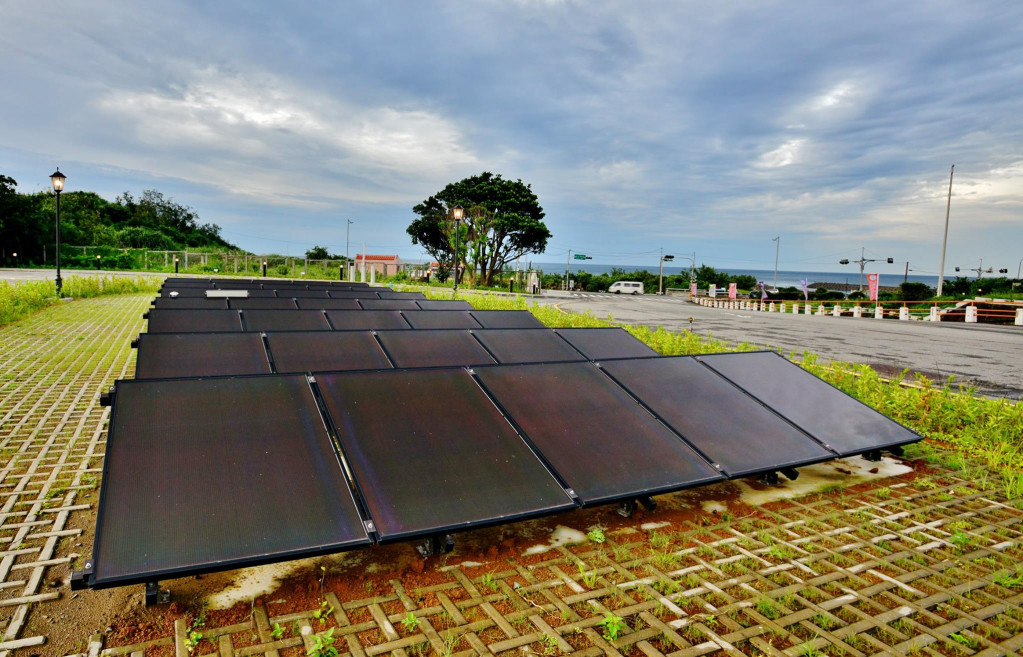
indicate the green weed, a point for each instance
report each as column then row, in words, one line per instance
column 613, row 626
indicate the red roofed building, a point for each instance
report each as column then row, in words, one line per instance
column 385, row 265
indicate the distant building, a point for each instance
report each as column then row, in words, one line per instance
column 385, row 265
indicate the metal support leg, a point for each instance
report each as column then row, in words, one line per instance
column 873, row 456
column 437, row 544
column 769, row 479
column 790, row 473
column 155, row 595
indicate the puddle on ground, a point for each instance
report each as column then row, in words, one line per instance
column 816, row 478
column 560, row 536
column 260, row 580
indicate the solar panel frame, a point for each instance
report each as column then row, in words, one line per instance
column 617, row 343
column 441, row 319
column 541, row 344
column 285, row 320
column 189, row 303
column 307, row 294
column 209, row 321
column 328, row 304
column 506, row 319
column 205, row 354
column 341, row 486
column 353, row 294
column 426, row 348
column 444, row 304
column 603, row 414
column 366, row 320
column 357, row 350
column 418, row 383
column 390, row 294
column 263, row 303
column 829, row 425
column 736, row 411
column 388, row 304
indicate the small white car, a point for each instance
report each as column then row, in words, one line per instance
column 626, row 287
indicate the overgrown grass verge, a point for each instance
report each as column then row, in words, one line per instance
column 960, row 427
column 19, row 300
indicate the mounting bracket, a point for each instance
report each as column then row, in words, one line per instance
column 80, row 578
column 155, row 595
column 874, row 455
column 626, row 509
column 107, row 398
column 436, row 544
column 790, row 473
column 769, row 478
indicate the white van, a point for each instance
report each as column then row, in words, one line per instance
column 626, row 287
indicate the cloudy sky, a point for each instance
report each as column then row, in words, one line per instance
column 640, row 125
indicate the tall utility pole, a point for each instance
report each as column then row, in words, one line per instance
column 348, row 233
column 944, row 242
column 777, row 247
column 568, row 267
column 660, row 271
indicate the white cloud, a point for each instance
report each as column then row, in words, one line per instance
column 782, row 156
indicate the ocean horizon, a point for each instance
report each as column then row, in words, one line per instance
column 786, row 278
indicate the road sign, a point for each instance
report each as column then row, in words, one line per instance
column 581, row 256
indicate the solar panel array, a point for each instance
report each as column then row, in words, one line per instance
column 340, row 428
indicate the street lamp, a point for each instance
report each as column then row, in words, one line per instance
column 777, row 247
column 660, row 272
column 57, row 178
column 456, row 213
column 348, row 233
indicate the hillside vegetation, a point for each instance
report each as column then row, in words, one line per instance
column 150, row 221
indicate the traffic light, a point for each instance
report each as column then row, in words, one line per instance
column 957, row 268
column 1003, row 271
column 844, row 261
column 891, row 260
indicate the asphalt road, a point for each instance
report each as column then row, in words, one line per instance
column 988, row 357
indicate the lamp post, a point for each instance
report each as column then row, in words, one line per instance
column 777, row 247
column 348, row 233
column 57, row 178
column 456, row 213
column 660, row 271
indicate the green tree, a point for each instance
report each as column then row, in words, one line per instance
column 503, row 220
column 321, row 253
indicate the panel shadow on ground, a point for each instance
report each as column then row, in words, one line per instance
column 173, row 450
column 193, row 321
column 366, row 320
column 727, row 425
column 506, row 319
column 164, row 356
column 326, row 351
column 527, row 346
column 429, row 348
column 601, row 343
column 285, row 320
column 605, row 445
column 843, row 423
column 428, row 466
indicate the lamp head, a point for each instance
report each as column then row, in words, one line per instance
column 457, row 213
column 57, row 178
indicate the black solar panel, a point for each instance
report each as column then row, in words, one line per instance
column 441, row 319
column 365, row 320
column 442, row 304
column 222, row 284
column 263, row 304
column 457, row 465
column 388, row 304
column 169, row 355
column 506, row 319
column 727, row 425
column 353, row 294
column 260, row 294
column 387, row 294
column 304, row 294
column 197, row 282
column 193, row 321
column 285, row 320
column 433, row 348
column 328, row 304
column 833, row 417
column 190, row 291
column 527, row 346
column 326, row 351
column 601, row 343
column 190, row 303
column 602, row 443
column 214, row 474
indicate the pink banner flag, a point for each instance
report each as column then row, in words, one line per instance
column 732, row 290
column 872, row 286
column 692, row 289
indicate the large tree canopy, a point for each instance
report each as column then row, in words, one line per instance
column 503, row 220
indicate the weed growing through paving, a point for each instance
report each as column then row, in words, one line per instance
column 549, row 644
column 323, row 612
column 488, row 581
column 19, row 300
column 596, row 535
column 613, row 626
column 410, row 622
column 277, row 632
column 1011, row 580
column 323, row 645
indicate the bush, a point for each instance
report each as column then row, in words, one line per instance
column 914, row 292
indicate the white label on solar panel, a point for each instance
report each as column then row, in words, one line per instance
column 227, row 294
